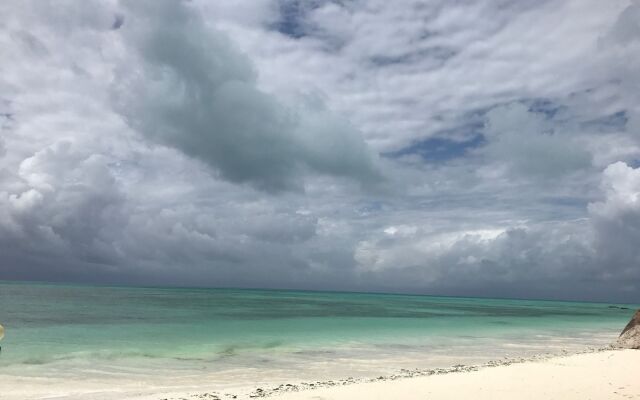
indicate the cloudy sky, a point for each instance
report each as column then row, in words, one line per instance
column 444, row 147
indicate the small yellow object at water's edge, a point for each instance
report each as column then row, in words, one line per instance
column 1, row 332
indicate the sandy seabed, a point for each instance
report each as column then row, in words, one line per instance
column 597, row 374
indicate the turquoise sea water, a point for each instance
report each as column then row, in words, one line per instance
column 59, row 329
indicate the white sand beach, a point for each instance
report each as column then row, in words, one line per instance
column 599, row 375
column 604, row 375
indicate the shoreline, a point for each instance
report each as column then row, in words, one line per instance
column 308, row 389
column 417, row 372
column 412, row 380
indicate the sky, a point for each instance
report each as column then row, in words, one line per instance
column 441, row 147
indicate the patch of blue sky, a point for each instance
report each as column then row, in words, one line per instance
column 635, row 163
column 439, row 149
column 371, row 207
column 436, row 53
column 609, row 123
column 549, row 108
column 293, row 13
column 118, row 21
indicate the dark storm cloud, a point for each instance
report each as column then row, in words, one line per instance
column 195, row 92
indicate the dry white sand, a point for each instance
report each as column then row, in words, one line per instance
column 604, row 375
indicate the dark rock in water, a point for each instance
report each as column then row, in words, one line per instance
column 630, row 336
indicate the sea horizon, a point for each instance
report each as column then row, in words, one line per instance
column 287, row 289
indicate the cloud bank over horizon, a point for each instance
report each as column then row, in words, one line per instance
column 462, row 149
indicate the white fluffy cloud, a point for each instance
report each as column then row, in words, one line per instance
column 616, row 222
column 433, row 147
column 591, row 254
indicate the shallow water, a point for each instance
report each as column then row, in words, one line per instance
column 56, row 330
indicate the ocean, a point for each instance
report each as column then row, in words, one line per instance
column 235, row 335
